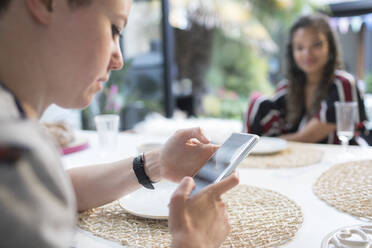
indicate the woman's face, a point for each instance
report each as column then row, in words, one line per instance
column 85, row 45
column 310, row 50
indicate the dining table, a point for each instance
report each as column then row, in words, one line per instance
column 319, row 218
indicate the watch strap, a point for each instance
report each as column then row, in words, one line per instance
column 139, row 170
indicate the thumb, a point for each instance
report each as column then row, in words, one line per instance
column 182, row 192
column 225, row 185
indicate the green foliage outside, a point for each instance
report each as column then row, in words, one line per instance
column 122, row 94
column 227, row 107
column 112, row 99
column 279, row 14
column 368, row 81
column 109, row 101
column 236, row 70
column 145, row 88
column 121, row 90
column 240, row 69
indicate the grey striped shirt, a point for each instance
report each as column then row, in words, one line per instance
column 37, row 204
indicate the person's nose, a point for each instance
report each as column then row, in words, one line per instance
column 116, row 61
column 309, row 51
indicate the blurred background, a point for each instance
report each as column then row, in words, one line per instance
column 203, row 58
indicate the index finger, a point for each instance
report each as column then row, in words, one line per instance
column 177, row 202
column 225, row 185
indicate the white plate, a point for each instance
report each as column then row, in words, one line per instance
column 267, row 145
column 357, row 236
column 152, row 204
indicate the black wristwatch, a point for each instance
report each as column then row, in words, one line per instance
column 139, row 170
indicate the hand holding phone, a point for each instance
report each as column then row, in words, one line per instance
column 202, row 219
column 225, row 160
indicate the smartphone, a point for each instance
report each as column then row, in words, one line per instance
column 224, row 161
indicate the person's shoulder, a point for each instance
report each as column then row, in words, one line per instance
column 344, row 86
column 281, row 86
column 8, row 108
column 24, row 133
column 11, row 126
column 10, row 153
column 281, row 90
column 16, row 134
column 31, row 172
column 344, row 77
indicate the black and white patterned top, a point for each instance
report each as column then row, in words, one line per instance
column 267, row 116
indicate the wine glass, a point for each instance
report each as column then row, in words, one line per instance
column 346, row 113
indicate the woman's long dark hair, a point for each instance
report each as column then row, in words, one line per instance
column 297, row 78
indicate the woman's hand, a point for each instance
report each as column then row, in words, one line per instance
column 184, row 154
column 199, row 221
column 313, row 132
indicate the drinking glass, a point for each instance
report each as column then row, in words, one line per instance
column 346, row 113
column 107, row 129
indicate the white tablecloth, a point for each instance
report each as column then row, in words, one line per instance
column 319, row 218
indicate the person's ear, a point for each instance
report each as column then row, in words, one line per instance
column 41, row 10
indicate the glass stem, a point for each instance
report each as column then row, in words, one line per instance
column 344, row 144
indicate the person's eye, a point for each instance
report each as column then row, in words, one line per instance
column 115, row 31
column 298, row 48
column 318, row 44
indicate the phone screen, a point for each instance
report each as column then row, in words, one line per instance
column 225, row 159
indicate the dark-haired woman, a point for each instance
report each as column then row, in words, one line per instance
column 302, row 108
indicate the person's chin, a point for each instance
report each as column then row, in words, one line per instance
column 86, row 101
column 93, row 90
column 81, row 103
column 84, row 105
column 310, row 69
column 99, row 87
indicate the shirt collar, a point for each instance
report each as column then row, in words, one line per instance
column 21, row 111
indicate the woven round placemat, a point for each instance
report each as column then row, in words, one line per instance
column 113, row 223
column 347, row 187
column 296, row 155
column 259, row 218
